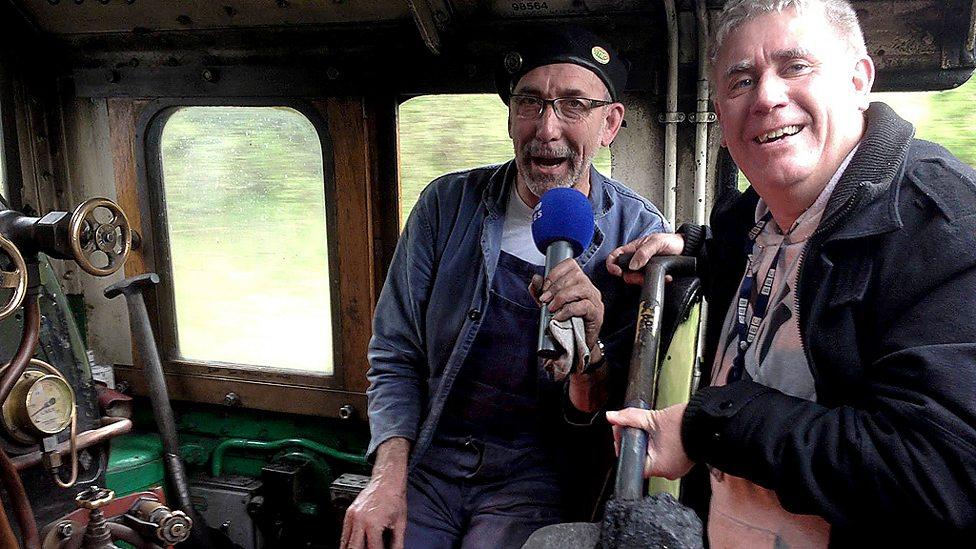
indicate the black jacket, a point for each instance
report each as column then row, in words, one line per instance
column 887, row 311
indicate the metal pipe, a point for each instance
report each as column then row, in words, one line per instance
column 28, row 342
column 114, row 427
column 671, row 116
column 121, row 532
column 702, row 115
column 217, row 458
column 702, row 119
column 7, row 538
column 18, row 499
column 644, row 370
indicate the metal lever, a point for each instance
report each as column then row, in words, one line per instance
column 645, row 368
column 145, row 345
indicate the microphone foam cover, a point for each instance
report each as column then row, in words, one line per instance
column 563, row 214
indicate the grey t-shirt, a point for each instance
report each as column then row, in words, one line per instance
column 743, row 514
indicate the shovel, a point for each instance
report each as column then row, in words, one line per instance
column 632, row 520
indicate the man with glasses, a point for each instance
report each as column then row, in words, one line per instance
column 475, row 443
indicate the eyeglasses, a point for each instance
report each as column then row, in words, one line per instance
column 569, row 109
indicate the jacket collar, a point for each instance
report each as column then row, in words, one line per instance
column 866, row 184
column 495, row 197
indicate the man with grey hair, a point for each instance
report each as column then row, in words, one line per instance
column 474, row 443
column 842, row 401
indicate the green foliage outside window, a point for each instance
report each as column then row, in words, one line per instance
column 245, row 205
column 947, row 118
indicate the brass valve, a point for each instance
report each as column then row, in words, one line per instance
column 94, row 498
column 97, row 533
column 153, row 519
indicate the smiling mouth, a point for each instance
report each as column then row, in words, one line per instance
column 777, row 134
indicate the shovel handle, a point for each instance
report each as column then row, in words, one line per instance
column 645, row 368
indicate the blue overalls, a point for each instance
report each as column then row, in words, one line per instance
column 490, row 477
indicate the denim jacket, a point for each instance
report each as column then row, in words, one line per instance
column 431, row 305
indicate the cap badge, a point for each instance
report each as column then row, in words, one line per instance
column 513, row 62
column 601, row 55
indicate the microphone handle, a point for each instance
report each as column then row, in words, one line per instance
column 556, row 253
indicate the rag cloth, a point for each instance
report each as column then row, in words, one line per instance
column 570, row 335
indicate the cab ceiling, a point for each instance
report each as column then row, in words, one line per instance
column 916, row 44
column 119, row 16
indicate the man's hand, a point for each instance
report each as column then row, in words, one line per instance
column 644, row 248
column 665, row 453
column 568, row 292
column 382, row 506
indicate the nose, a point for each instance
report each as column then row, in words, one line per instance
column 548, row 126
column 771, row 92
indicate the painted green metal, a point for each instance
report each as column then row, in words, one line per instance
column 217, row 457
column 331, row 448
column 674, row 383
column 49, row 279
column 343, row 436
column 79, row 312
column 135, row 464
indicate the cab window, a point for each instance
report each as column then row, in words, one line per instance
column 247, row 243
column 944, row 117
column 439, row 134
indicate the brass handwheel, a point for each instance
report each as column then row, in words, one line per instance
column 91, row 238
column 14, row 280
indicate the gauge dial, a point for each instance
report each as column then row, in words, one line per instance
column 49, row 404
column 39, row 405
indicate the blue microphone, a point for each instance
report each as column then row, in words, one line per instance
column 562, row 227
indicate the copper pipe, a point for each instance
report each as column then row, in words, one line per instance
column 28, row 342
column 22, row 506
column 114, row 427
column 7, row 538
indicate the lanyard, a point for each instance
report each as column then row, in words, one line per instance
column 747, row 331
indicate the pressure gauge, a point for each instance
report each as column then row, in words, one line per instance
column 39, row 405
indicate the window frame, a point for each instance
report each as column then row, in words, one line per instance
column 263, row 387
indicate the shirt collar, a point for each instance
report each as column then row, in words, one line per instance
column 807, row 222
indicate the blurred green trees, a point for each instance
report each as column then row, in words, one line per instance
column 951, row 120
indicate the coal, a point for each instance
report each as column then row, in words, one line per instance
column 655, row 521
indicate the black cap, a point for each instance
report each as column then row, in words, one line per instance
column 564, row 44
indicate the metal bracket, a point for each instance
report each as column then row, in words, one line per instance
column 430, row 16
column 671, row 117
column 705, row 117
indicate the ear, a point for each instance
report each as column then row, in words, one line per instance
column 615, row 117
column 862, row 80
